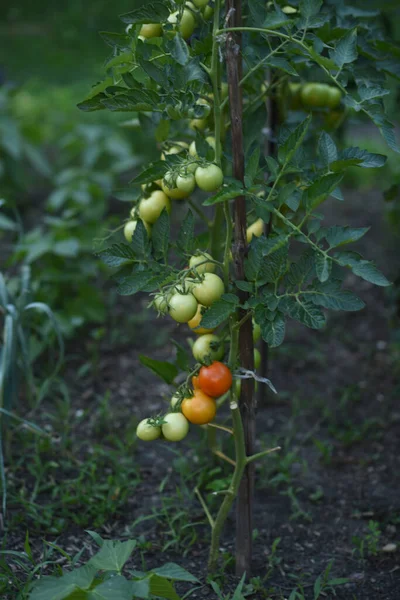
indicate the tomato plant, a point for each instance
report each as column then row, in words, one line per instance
column 255, row 218
column 200, row 408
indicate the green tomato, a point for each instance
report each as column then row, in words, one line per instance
column 256, row 229
column 197, row 259
column 208, row 12
column 209, row 290
column 315, row 95
column 209, row 178
column 200, row 3
column 294, row 95
column 181, row 188
column 334, row 97
column 161, row 303
column 256, row 331
column 198, row 124
column 150, row 30
column 147, row 432
column 130, row 227
column 176, row 427
column 187, row 23
column 174, row 401
column 151, row 208
column 208, row 348
column 182, row 307
column 177, row 148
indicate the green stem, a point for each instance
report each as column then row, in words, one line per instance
column 199, row 212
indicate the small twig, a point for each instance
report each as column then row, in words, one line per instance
column 261, row 454
column 220, row 427
column 224, row 457
column 205, row 507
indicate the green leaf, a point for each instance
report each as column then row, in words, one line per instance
column 286, row 192
column 346, row 49
column 337, row 236
column 301, row 271
column 363, row 268
column 141, row 588
column 264, row 270
column 112, row 555
column 220, row 311
column 293, row 142
column 272, row 325
column 330, row 295
column 282, row 64
column 140, row 243
column 327, row 149
column 156, row 171
column 227, row 192
column 117, row 255
column 7, row 224
column 166, row 370
column 160, row 236
column 355, row 157
column 132, row 284
column 252, row 166
column 275, row 20
column 175, row 572
column 310, row 8
column 115, row 588
column 320, row 190
column 60, row 588
column 179, row 50
column 186, row 240
column 116, row 40
column 150, row 12
column 303, row 310
column 161, row 587
column 323, row 266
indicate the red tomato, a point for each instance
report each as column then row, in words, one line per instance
column 216, row 379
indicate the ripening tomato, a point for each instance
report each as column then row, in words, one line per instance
column 315, row 95
column 207, row 348
column 209, row 290
column 197, row 262
column 175, row 427
column 130, row 227
column 200, row 408
column 195, row 323
column 256, row 229
column 257, row 358
column 151, row 208
column 187, row 23
column 182, row 307
column 215, row 379
column 147, row 432
column 209, row 178
column 150, row 30
column 181, row 188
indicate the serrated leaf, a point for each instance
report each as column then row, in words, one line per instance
column 310, row 8
column 267, row 259
column 293, row 142
column 175, row 572
column 368, row 92
column 117, row 255
column 132, row 284
column 346, row 49
column 112, row 555
column 179, row 50
column 160, row 236
column 337, row 236
column 323, row 266
column 166, row 370
column 151, row 12
column 227, row 192
column 219, row 311
column 275, row 20
column 156, row 171
column 116, row 40
column 282, row 64
column 186, row 240
column 140, row 243
column 355, row 157
column 303, row 310
column 330, row 295
column 327, row 149
column 363, row 268
column 272, row 325
column 314, row 195
column 252, row 166
column 302, row 270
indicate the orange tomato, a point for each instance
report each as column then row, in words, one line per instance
column 199, row 409
column 195, row 382
column 216, row 379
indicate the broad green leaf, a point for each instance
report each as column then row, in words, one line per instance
column 112, row 555
column 117, row 255
column 363, row 268
column 314, row 195
column 358, row 158
column 132, row 284
column 220, row 311
column 175, row 572
column 141, row 588
column 303, row 310
column 150, row 12
column 327, row 148
column 337, row 236
column 227, row 192
column 156, row 171
column 310, row 8
column 346, row 49
column 161, row 587
column 275, row 20
column 140, row 243
column 179, row 50
column 60, row 588
column 166, row 370
column 368, row 92
column 186, row 240
column 115, row 588
column 160, row 236
column 293, row 142
column 323, row 266
column 330, row 295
